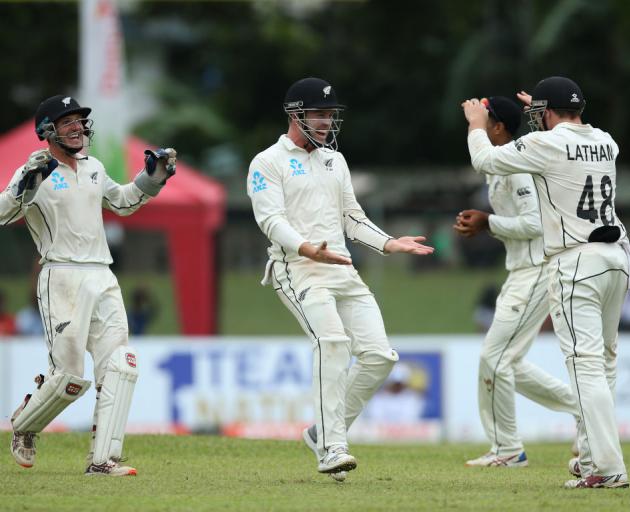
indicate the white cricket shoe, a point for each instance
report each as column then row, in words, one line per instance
column 598, row 482
column 23, row 448
column 309, row 435
column 110, row 468
column 491, row 460
column 337, row 459
column 574, row 467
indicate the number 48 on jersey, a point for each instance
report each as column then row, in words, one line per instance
column 588, row 194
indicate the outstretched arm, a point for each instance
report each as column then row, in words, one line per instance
column 123, row 200
column 159, row 166
column 321, row 254
column 408, row 244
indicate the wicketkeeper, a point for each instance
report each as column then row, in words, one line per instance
column 60, row 192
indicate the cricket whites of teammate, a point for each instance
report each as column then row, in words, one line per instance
column 522, row 305
column 304, row 203
column 586, row 246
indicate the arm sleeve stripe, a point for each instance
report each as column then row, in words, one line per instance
column 17, row 212
column 367, row 225
column 123, row 207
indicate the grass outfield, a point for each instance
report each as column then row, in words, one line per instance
column 212, row 473
column 436, row 301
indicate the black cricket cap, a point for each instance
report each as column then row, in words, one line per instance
column 561, row 93
column 311, row 93
column 56, row 107
column 506, row 111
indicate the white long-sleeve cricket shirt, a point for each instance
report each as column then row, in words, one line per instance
column 65, row 217
column 300, row 197
column 573, row 168
column 516, row 219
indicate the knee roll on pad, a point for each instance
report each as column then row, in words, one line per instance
column 366, row 377
column 114, row 403
column 385, row 359
column 48, row 401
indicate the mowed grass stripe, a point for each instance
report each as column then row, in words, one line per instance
column 214, row 473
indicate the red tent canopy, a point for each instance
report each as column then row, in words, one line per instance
column 189, row 210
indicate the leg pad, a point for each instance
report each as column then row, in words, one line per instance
column 112, row 408
column 52, row 396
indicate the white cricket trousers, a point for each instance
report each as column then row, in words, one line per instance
column 587, row 287
column 521, row 309
column 82, row 309
column 341, row 318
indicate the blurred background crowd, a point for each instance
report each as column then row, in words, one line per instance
column 209, row 77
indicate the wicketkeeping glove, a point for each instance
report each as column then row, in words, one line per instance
column 159, row 166
column 38, row 167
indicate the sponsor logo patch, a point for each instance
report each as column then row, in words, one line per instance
column 258, row 182
column 73, row 389
column 520, row 145
column 131, row 359
column 297, row 168
column 523, row 191
column 59, row 182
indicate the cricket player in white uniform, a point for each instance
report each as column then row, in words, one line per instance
column 304, row 203
column 60, row 193
column 521, row 307
column 573, row 168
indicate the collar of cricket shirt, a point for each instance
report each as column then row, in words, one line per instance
column 289, row 144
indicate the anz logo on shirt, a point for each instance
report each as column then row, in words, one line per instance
column 59, row 182
column 258, row 182
column 298, row 168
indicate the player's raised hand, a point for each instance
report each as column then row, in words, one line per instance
column 526, row 99
column 160, row 164
column 38, row 167
column 41, row 161
column 321, row 254
column 476, row 113
column 471, row 222
column 408, row 244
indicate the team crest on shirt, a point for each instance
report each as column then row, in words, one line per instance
column 59, row 328
column 297, row 169
column 520, row 145
column 329, row 164
column 59, row 182
column 302, row 294
column 258, row 182
column 94, row 178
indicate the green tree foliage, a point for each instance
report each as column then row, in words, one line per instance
column 403, row 67
column 38, row 56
